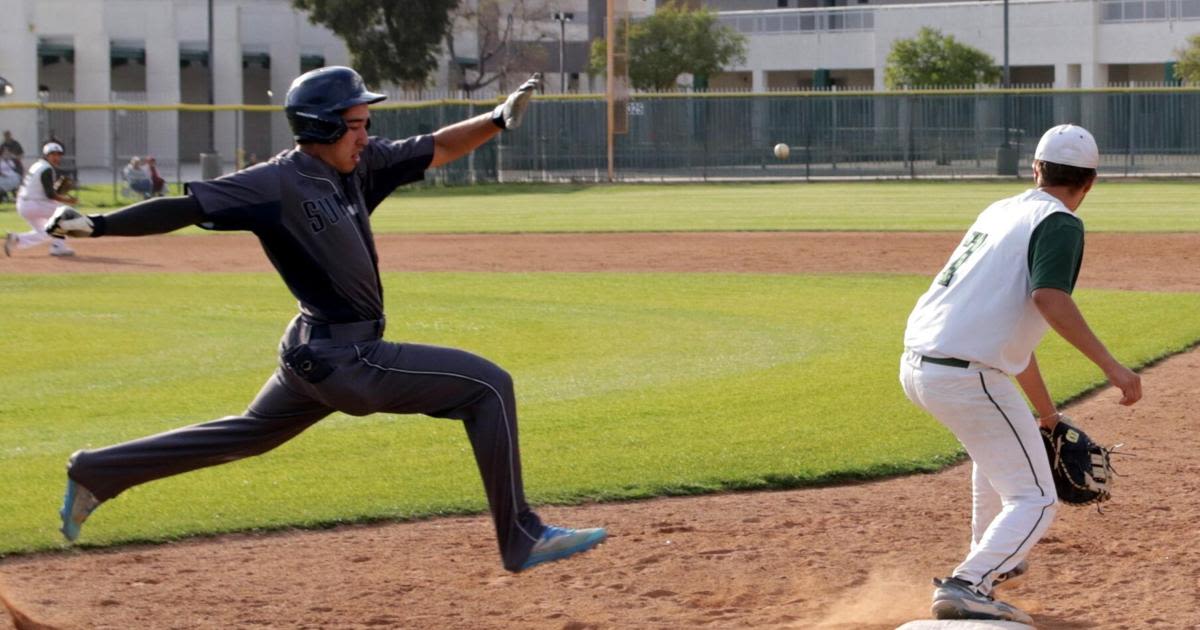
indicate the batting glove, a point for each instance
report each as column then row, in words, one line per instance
column 66, row 221
column 508, row 114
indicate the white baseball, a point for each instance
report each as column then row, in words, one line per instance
column 782, row 151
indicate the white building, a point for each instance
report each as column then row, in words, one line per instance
column 155, row 51
column 1063, row 43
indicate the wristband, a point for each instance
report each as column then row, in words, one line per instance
column 498, row 116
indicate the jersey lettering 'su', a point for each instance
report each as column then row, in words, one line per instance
column 325, row 211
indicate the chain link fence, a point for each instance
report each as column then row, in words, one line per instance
column 717, row 137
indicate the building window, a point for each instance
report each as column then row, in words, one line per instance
column 782, row 4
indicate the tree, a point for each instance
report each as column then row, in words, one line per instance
column 507, row 40
column 389, row 42
column 674, row 41
column 1188, row 68
column 935, row 60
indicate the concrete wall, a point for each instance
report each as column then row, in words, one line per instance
column 19, row 65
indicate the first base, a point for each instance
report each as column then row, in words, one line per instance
column 963, row 624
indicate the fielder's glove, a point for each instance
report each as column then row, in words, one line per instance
column 63, row 185
column 1081, row 468
column 508, row 114
column 67, row 221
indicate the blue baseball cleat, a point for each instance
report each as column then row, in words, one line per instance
column 78, row 504
column 557, row 543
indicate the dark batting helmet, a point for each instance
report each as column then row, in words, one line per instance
column 316, row 100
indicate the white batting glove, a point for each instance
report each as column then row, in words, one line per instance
column 67, row 221
column 508, row 114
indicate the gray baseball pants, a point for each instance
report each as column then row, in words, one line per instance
column 348, row 368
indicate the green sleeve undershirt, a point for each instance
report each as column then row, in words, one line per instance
column 1056, row 252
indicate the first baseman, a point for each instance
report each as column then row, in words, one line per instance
column 36, row 202
column 310, row 208
column 1008, row 281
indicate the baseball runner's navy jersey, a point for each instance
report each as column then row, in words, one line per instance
column 313, row 221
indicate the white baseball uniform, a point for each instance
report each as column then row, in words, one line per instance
column 36, row 206
column 974, row 328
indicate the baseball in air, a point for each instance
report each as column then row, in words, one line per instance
column 782, row 151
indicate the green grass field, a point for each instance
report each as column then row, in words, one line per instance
column 1121, row 206
column 629, row 386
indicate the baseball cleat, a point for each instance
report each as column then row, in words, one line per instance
column 957, row 599
column 62, row 252
column 10, row 243
column 78, row 504
column 1012, row 576
column 557, row 543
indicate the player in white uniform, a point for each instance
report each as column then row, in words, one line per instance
column 36, row 202
column 1009, row 280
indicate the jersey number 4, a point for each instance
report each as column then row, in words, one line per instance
column 973, row 242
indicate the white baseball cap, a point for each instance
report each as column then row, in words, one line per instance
column 52, row 147
column 1070, row 145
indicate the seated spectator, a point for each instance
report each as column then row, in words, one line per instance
column 15, row 152
column 10, row 176
column 157, row 183
column 137, row 177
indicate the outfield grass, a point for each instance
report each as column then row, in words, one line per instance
column 629, row 386
column 1155, row 206
column 1120, row 206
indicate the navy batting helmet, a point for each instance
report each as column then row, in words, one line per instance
column 316, row 100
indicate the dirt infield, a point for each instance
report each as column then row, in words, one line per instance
column 849, row 557
column 1119, row 261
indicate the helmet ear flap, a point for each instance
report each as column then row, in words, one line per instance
column 316, row 100
column 308, row 128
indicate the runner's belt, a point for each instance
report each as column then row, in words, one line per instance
column 350, row 332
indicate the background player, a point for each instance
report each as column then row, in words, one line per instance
column 36, row 201
column 978, row 324
column 310, row 208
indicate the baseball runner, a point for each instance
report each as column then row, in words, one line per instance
column 310, row 208
column 36, row 202
column 1009, row 280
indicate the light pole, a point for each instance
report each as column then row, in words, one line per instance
column 212, row 84
column 562, row 19
column 1006, row 154
column 1007, row 75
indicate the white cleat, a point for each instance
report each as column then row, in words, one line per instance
column 957, row 599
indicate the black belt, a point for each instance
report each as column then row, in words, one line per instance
column 958, row 363
column 350, row 332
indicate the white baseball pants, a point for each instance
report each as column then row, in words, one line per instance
column 1014, row 501
column 36, row 214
